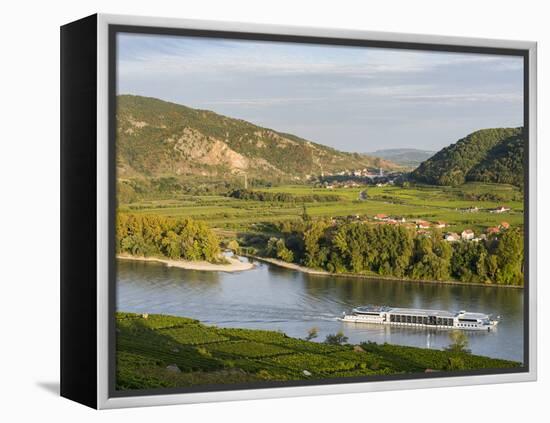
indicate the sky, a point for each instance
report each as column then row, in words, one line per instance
column 351, row 98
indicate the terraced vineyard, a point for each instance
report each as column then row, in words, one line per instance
column 157, row 351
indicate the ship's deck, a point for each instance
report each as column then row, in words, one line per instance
column 422, row 312
column 418, row 312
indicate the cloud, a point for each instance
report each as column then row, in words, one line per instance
column 263, row 102
column 193, row 55
column 339, row 96
column 463, row 98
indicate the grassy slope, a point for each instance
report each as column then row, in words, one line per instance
column 211, row 355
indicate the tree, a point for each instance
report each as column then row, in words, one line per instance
column 271, row 247
column 313, row 242
column 312, row 334
column 459, row 342
column 305, row 216
column 282, row 252
column 337, row 339
column 233, row 245
column 509, row 254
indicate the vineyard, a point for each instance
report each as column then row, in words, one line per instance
column 157, row 351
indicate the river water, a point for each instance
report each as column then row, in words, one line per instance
column 269, row 297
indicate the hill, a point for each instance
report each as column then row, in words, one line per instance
column 409, row 157
column 156, row 138
column 487, row 155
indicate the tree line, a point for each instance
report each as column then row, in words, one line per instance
column 185, row 239
column 284, row 197
column 396, row 251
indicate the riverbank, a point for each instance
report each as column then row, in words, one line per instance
column 308, row 270
column 233, row 265
column 161, row 351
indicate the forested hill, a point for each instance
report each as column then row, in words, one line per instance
column 157, row 138
column 487, row 155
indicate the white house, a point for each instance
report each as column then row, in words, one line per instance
column 452, row 237
column 500, row 209
column 467, row 234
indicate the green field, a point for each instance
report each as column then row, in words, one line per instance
column 421, row 202
column 165, row 351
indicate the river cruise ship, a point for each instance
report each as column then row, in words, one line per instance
column 417, row 317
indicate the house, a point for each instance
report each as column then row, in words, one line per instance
column 504, row 225
column 440, row 225
column 381, row 216
column 500, row 209
column 467, row 234
column 472, row 210
column 422, row 224
column 492, row 230
column 452, row 237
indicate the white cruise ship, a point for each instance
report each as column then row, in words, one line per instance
column 417, row 317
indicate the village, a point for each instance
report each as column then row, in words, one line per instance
column 425, row 228
column 356, row 178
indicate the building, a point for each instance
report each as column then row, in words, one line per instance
column 492, row 230
column 452, row 237
column 440, row 225
column 504, row 225
column 467, row 235
column 500, row 209
column 381, row 216
column 422, row 224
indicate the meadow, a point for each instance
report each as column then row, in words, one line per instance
column 432, row 203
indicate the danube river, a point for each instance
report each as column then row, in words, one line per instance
column 272, row 298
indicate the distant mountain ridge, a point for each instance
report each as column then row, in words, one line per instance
column 409, row 157
column 487, row 155
column 156, row 138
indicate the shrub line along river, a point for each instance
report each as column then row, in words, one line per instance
column 297, row 267
column 274, row 298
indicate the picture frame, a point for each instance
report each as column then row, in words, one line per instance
column 89, row 209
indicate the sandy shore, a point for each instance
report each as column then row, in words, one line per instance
column 292, row 266
column 234, row 264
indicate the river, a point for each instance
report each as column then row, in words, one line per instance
column 272, row 298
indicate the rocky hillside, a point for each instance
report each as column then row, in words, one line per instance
column 488, row 155
column 157, row 139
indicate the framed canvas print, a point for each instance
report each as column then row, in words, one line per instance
column 253, row 211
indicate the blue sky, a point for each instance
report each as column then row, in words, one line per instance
column 353, row 99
